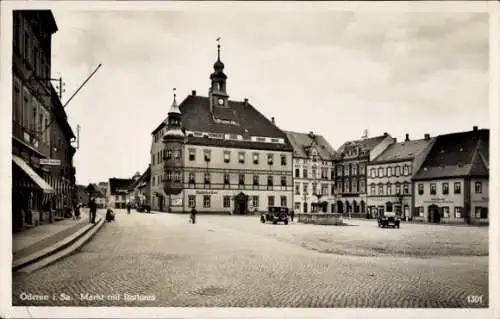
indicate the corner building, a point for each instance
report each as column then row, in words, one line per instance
column 219, row 156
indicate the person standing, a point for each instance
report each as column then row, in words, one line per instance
column 93, row 210
column 193, row 215
column 292, row 215
column 128, row 207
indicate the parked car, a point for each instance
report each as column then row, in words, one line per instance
column 388, row 219
column 275, row 214
column 143, row 208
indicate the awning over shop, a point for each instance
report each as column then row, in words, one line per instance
column 32, row 174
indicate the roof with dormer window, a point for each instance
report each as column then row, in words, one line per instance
column 366, row 144
column 403, row 151
column 457, row 155
column 304, row 143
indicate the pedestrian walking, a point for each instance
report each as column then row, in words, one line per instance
column 292, row 215
column 93, row 210
column 77, row 211
column 128, row 208
column 192, row 218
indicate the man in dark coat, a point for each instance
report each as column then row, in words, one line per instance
column 93, row 210
column 193, row 215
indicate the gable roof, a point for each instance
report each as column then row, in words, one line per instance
column 119, row 185
column 143, row 180
column 406, row 150
column 96, row 191
column 302, row 141
column 196, row 116
column 367, row 144
column 457, row 155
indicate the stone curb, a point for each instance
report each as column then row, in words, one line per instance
column 57, row 251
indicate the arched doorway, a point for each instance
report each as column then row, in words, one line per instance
column 340, row 207
column 324, row 206
column 241, row 204
column 433, row 214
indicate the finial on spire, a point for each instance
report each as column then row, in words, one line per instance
column 174, row 94
column 218, row 49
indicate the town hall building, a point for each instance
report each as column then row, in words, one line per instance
column 219, row 155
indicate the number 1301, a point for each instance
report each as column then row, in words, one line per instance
column 474, row 299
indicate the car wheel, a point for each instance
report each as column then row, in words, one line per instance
column 275, row 222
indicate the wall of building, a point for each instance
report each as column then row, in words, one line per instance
column 303, row 191
column 157, row 196
column 451, row 200
column 479, row 200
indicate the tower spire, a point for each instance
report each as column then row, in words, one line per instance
column 218, row 49
column 174, row 108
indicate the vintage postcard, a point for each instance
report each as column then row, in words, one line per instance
column 250, row 159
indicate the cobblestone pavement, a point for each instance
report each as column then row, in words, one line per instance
column 230, row 261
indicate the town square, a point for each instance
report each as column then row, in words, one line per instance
column 250, row 156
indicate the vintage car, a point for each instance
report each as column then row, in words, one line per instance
column 275, row 214
column 388, row 219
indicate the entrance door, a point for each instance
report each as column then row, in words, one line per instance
column 433, row 214
column 241, row 203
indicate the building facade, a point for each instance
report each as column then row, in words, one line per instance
column 351, row 162
column 117, row 193
column 390, row 177
column 41, row 189
column 313, row 173
column 219, row 156
column 452, row 184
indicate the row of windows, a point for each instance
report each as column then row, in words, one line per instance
column 28, row 47
column 381, row 189
column 351, row 186
column 117, row 197
column 390, row 171
column 305, row 161
column 314, row 207
column 314, row 173
column 226, row 201
column 457, row 188
column 445, row 212
column 351, row 169
column 207, row 156
column 29, row 112
column 320, row 189
column 176, row 177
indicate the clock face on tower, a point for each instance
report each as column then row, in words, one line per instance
column 221, row 101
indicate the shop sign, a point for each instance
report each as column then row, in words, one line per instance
column 206, row 192
column 438, row 200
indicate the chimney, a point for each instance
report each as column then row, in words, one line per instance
column 245, row 101
column 193, row 92
column 474, row 128
column 427, row 137
column 272, row 120
column 407, row 137
column 311, row 134
column 385, row 133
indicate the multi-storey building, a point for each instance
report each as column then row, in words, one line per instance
column 219, row 155
column 313, row 173
column 351, row 161
column 103, row 187
column 118, row 189
column 141, row 189
column 390, row 176
column 452, row 184
column 40, row 129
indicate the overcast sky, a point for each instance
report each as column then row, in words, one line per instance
column 335, row 73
